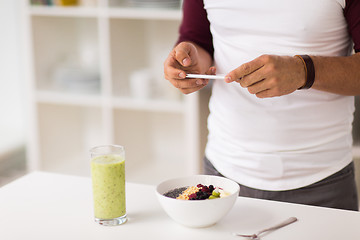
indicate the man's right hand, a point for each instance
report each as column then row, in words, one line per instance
column 183, row 59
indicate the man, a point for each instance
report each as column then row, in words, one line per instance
column 280, row 124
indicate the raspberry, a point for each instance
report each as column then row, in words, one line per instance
column 192, row 196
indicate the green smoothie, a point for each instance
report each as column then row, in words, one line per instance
column 108, row 180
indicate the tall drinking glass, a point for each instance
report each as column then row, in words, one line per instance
column 108, row 181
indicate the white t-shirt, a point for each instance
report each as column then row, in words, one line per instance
column 284, row 142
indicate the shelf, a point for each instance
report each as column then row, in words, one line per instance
column 141, row 51
column 66, row 52
column 95, row 100
column 113, row 12
column 155, row 105
column 96, row 77
column 67, row 98
column 145, row 13
column 49, row 11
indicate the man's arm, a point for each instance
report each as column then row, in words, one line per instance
column 193, row 53
column 340, row 75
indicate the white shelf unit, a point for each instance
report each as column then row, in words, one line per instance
column 163, row 134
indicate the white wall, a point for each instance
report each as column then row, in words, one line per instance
column 11, row 84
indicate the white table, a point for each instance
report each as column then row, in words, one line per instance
column 52, row 206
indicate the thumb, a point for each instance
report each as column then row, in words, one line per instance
column 211, row 71
column 184, row 54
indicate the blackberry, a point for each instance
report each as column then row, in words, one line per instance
column 202, row 195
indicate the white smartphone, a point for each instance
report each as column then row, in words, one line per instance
column 204, row 76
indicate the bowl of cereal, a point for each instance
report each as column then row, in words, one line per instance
column 199, row 200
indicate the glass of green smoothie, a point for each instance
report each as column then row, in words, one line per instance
column 108, row 181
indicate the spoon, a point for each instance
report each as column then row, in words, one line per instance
column 257, row 235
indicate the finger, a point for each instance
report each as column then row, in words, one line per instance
column 265, row 89
column 258, row 87
column 174, row 73
column 203, row 81
column 211, row 71
column 184, row 53
column 268, row 93
column 264, row 94
column 190, row 83
column 172, row 69
column 251, row 79
column 191, row 90
column 246, row 69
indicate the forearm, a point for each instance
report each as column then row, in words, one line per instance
column 340, row 75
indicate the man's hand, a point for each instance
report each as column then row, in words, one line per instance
column 270, row 75
column 185, row 58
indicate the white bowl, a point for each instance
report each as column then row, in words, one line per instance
column 197, row 213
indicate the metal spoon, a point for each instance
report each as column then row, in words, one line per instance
column 257, row 235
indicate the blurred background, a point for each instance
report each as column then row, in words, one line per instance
column 12, row 120
column 81, row 73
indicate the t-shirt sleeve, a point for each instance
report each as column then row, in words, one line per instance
column 195, row 26
column 352, row 16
